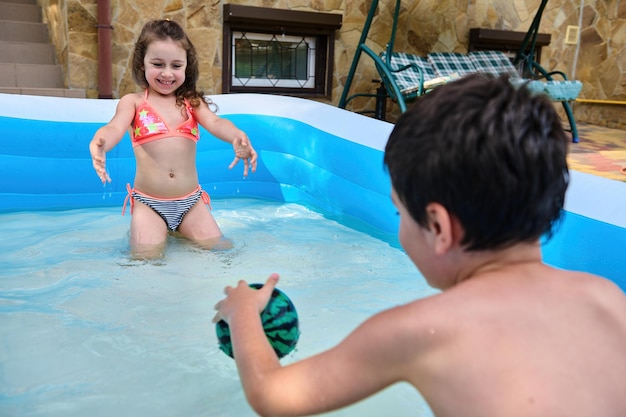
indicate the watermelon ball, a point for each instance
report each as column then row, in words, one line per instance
column 280, row 323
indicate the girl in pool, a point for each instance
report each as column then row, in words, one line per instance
column 163, row 125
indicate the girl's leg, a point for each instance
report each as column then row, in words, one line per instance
column 148, row 233
column 199, row 226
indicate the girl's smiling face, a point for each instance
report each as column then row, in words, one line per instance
column 164, row 65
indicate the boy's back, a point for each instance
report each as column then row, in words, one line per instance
column 526, row 340
column 479, row 174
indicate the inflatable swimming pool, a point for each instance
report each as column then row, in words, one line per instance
column 310, row 153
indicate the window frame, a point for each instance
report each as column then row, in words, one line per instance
column 277, row 22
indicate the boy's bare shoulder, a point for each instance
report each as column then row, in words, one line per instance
column 507, row 299
column 605, row 294
column 597, row 283
column 585, row 286
column 421, row 322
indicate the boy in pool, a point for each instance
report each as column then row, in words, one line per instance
column 163, row 124
column 478, row 172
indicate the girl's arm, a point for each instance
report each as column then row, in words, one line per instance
column 110, row 135
column 225, row 130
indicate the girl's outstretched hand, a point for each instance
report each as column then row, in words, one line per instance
column 242, row 296
column 245, row 152
column 98, row 158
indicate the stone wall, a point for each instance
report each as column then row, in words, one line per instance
column 599, row 60
column 55, row 15
column 601, row 63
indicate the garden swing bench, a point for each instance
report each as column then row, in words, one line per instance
column 405, row 77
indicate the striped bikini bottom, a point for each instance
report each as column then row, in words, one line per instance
column 171, row 210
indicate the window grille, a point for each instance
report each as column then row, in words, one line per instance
column 262, row 60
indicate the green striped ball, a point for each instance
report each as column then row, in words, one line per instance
column 280, row 323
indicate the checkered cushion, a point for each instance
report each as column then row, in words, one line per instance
column 493, row 62
column 556, row 90
column 410, row 78
column 497, row 63
column 449, row 64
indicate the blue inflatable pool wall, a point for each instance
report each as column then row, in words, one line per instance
column 309, row 153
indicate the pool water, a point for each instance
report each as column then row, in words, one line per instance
column 87, row 331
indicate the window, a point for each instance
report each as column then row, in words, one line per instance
column 261, row 60
column 278, row 51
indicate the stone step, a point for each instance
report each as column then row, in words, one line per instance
column 27, row 58
column 23, row 31
column 27, row 53
column 20, row 12
column 31, row 75
column 52, row 92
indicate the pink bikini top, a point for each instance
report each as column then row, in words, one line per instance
column 148, row 125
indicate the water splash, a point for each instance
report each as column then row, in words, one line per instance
column 104, row 187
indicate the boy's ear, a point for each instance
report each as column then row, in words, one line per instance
column 443, row 228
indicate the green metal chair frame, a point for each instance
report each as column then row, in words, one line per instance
column 392, row 66
column 384, row 68
column 529, row 68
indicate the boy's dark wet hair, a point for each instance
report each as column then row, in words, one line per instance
column 492, row 154
column 162, row 30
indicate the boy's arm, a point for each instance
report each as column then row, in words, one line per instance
column 226, row 130
column 367, row 361
column 110, row 134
